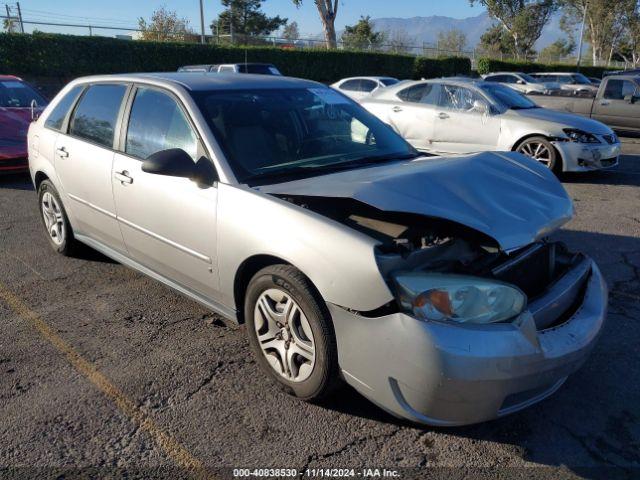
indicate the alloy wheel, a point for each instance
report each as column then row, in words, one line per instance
column 284, row 335
column 538, row 151
column 53, row 218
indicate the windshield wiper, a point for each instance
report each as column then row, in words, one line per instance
column 361, row 162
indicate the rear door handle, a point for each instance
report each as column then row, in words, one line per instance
column 123, row 177
column 397, row 109
column 62, row 152
column 443, row 116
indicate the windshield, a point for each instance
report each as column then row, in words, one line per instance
column 304, row 131
column 17, row 94
column 580, row 79
column 507, row 97
column 528, row 78
column 389, row 81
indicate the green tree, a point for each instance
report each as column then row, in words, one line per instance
column 522, row 19
column 291, row 31
column 244, row 17
column 629, row 46
column 604, row 24
column 164, row 26
column 328, row 10
column 452, row 41
column 496, row 41
column 362, row 36
column 557, row 50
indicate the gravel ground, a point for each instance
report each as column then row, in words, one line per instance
column 105, row 373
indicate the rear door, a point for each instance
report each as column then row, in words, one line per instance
column 612, row 108
column 83, row 161
column 168, row 223
column 460, row 127
column 414, row 116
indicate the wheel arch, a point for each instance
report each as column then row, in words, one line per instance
column 38, row 178
column 246, row 271
column 522, row 139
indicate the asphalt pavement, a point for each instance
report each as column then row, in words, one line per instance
column 105, row 373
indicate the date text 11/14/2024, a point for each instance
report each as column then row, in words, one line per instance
column 316, row 473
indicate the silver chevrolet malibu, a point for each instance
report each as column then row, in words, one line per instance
column 427, row 284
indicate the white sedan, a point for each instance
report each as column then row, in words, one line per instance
column 360, row 87
column 466, row 116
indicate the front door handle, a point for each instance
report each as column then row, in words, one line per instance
column 62, row 152
column 397, row 109
column 443, row 116
column 123, row 177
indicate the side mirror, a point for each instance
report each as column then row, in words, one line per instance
column 34, row 114
column 630, row 98
column 175, row 162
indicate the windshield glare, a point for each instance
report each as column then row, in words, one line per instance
column 17, row 94
column 295, row 131
column 507, row 97
column 528, row 78
column 580, row 79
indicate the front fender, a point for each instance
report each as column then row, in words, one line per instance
column 338, row 260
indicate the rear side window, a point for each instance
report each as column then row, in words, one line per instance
column 55, row 120
column 95, row 117
column 157, row 123
column 426, row 93
column 351, row 85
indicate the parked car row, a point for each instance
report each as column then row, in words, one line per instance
column 426, row 283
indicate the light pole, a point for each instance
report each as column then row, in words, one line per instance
column 584, row 18
column 202, row 39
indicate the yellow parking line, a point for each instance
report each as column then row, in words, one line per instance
column 173, row 449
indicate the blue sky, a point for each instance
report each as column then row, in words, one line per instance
column 126, row 12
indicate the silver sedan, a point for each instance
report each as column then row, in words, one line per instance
column 447, row 116
column 428, row 285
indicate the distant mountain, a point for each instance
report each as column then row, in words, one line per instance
column 425, row 29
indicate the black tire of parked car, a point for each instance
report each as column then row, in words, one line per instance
column 324, row 377
column 69, row 244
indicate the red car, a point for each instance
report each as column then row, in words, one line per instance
column 15, row 116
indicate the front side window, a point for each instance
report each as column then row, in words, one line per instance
column 387, row 82
column 95, row 117
column 17, row 94
column 277, row 133
column 460, row 99
column 619, row 89
column 157, row 123
column 56, row 118
column 506, row 97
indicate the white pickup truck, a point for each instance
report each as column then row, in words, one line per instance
column 617, row 103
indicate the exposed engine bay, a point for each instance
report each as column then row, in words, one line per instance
column 412, row 242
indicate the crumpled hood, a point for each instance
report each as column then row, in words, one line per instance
column 507, row 196
column 568, row 120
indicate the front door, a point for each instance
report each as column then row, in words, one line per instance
column 615, row 109
column 168, row 223
column 83, row 159
column 464, row 122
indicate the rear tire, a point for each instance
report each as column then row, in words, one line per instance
column 55, row 220
column 540, row 149
column 290, row 332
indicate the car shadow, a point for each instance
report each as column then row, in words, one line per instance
column 16, row 181
column 591, row 425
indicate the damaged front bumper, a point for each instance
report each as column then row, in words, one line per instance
column 444, row 374
column 582, row 157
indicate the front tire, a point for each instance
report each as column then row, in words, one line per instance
column 541, row 149
column 55, row 220
column 290, row 332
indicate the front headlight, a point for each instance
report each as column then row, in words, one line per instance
column 580, row 136
column 457, row 298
